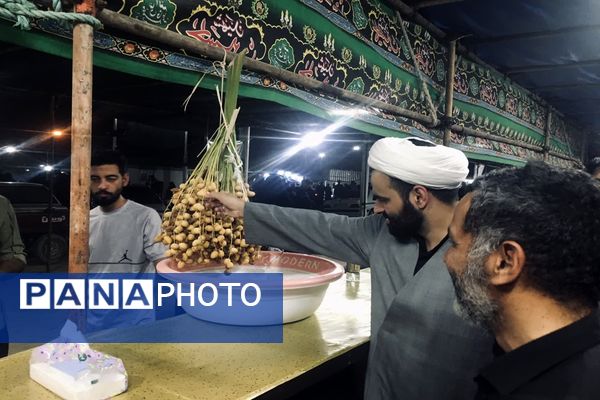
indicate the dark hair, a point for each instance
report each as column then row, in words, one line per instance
column 109, row 157
column 593, row 165
column 464, row 189
column 421, row 142
column 448, row 196
column 554, row 214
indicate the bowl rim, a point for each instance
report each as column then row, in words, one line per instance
column 334, row 272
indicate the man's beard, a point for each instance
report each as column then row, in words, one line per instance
column 104, row 198
column 407, row 224
column 473, row 301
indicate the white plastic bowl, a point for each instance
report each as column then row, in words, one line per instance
column 305, row 281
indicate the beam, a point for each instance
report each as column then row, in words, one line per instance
column 534, row 35
column 484, row 135
column 432, row 3
column 577, row 163
column 550, row 67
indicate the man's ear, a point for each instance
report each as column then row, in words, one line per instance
column 421, row 196
column 505, row 265
column 125, row 179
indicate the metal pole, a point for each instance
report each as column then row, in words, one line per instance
column 81, row 141
column 364, row 172
column 50, row 204
column 185, row 155
column 247, row 155
column 50, row 177
column 450, row 89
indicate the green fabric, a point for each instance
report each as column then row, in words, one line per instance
column 356, row 45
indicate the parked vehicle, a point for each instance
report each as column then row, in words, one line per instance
column 31, row 203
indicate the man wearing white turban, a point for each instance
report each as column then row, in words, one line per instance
column 420, row 348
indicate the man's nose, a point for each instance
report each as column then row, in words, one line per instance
column 103, row 184
column 377, row 209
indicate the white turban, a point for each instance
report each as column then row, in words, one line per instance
column 435, row 167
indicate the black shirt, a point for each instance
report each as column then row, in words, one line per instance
column 561, row 365
column 425, row 255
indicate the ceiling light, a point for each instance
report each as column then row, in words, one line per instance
column 356, row 148
column 321, row 155
column 312, row 139
column 11, row 149
column 348, row 112
column 297, row 178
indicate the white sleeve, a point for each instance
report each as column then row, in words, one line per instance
column 154, row 251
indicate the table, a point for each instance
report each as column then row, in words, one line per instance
column 338, row 328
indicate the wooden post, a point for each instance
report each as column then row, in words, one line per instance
column 450, row 88
column 81, row 141
column 547, row 134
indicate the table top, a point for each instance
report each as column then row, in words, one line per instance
column 226, row 371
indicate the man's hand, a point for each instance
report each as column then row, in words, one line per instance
column 226, row 203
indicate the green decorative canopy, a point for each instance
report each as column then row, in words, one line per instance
column 357, row 45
